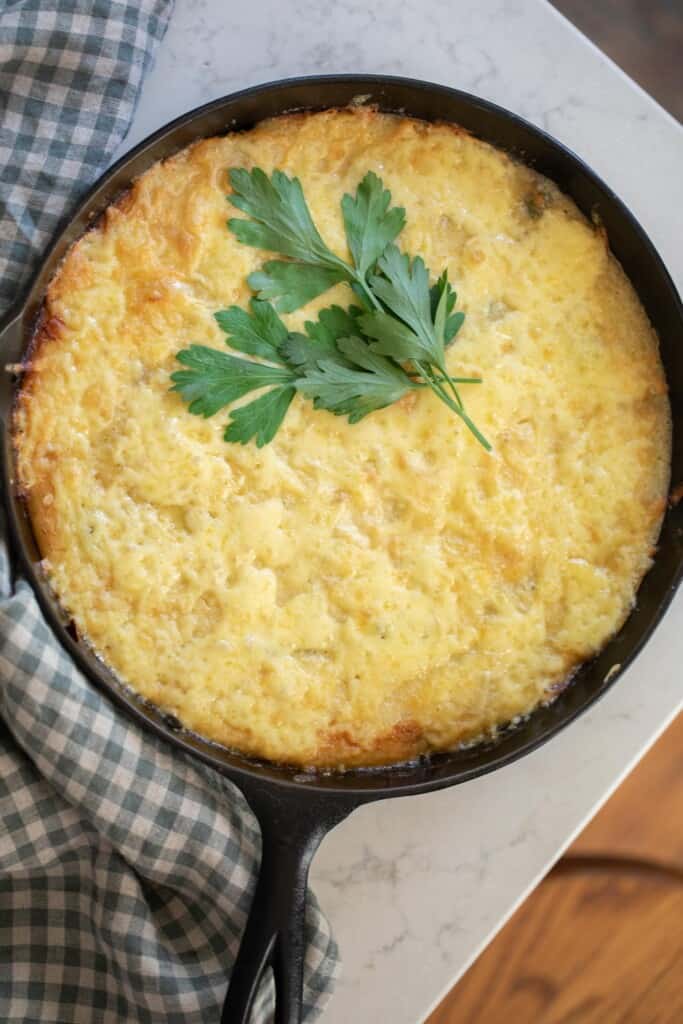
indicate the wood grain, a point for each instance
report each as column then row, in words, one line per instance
column 644, row 37
column 644, row 818
column 601, row 940
column 588, row 949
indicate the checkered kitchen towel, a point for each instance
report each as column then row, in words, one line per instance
column 126, row 870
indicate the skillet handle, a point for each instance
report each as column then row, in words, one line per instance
column 292, row 827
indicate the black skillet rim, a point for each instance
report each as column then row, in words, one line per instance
column 361, row 785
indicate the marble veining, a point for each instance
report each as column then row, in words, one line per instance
column 415, row 888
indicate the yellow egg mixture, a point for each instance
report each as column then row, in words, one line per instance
column 348, row 594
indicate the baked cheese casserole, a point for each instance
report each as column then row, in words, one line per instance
column 347, row 595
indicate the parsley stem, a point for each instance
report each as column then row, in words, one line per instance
column 456, row 380
column 477, row 433
column 451, row 381
column 353, row 277
column 441, row 390
column 445, row 397
column 374, row 303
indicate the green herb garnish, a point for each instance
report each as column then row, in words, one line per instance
column 350, row 362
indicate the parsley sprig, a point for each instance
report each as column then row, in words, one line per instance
column 350, row 362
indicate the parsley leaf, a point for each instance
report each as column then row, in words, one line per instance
column 259, row 333
column 215, row 379
column 280, row 221
column 279, row 217
column 304, row 351
column 338, row 370
column 370, row 224
column 291, row 285
column 452, row 324
column 260, row 419
column 391, row 337
column 403, row 287
column 371, row 383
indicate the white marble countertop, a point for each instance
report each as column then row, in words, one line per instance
column 415, row 888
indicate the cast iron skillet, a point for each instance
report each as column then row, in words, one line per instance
column 294, row 809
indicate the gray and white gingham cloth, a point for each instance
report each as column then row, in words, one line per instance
column 126, row 869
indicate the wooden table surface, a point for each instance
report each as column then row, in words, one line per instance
column 601, row 939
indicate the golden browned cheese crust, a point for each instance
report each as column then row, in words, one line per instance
column 347, row 594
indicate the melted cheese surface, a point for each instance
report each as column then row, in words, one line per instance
column 348, row 594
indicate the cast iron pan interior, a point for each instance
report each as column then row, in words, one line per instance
column 318, row 801
column 628, row 242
